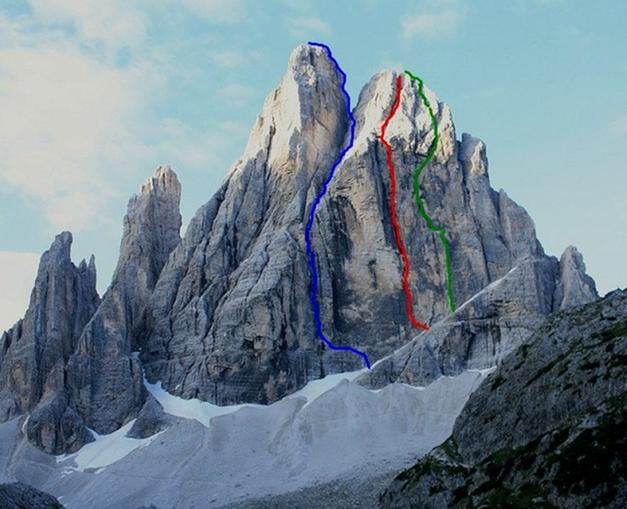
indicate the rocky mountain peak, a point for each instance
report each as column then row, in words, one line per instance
column 36, row 349
column 412, row 121
column 575, row 286
column 164, row 181
column 225, row 314
column 303, row 116
column 472, row 151
column 234, row 298
column 69, row 360
column 88, row 270
column 151, row 226
column 57, row 262
column 571, row 257
column 61, row 246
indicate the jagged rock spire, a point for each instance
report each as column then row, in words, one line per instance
column 105, row 379
column 575, row 287
column 151, row 227
column 36, row 349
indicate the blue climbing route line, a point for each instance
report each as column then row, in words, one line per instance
column 312, row 217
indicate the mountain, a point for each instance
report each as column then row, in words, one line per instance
column 491, row 324
column 204, row 350
column 232, row 318
column 546, row 429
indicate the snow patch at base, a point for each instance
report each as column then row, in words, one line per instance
column 108, row 449
column 202, row 411
column 105, row 450
column 253, row 450
column 317, row 388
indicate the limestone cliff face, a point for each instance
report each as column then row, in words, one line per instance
column 489, row 325
column 232, row 319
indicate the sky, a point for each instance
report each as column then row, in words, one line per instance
column 94, row 95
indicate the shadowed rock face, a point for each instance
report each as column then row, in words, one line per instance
column 232, row 318
column 35, row 351
column 150, row 420
column 18, row 495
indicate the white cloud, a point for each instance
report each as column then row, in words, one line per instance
column 113, row 23
column 431, row 26
column 304, row 27
column 17, row 274
column 76, row 126
column 64, row 124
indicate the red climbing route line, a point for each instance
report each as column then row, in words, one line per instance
column 397, row 228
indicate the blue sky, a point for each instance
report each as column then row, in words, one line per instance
column 95, row 95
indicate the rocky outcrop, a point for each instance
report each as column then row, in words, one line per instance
column 480, row 333
column 232, row 319
column 35, row 351
column 104, row 379
column 150, row 420
column 230, row 314
column 558, row 444
column 573, row 363
column 574, row 285
column 18, row 495
column 55, row 426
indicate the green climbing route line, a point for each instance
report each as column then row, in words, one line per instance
column 421, row 204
